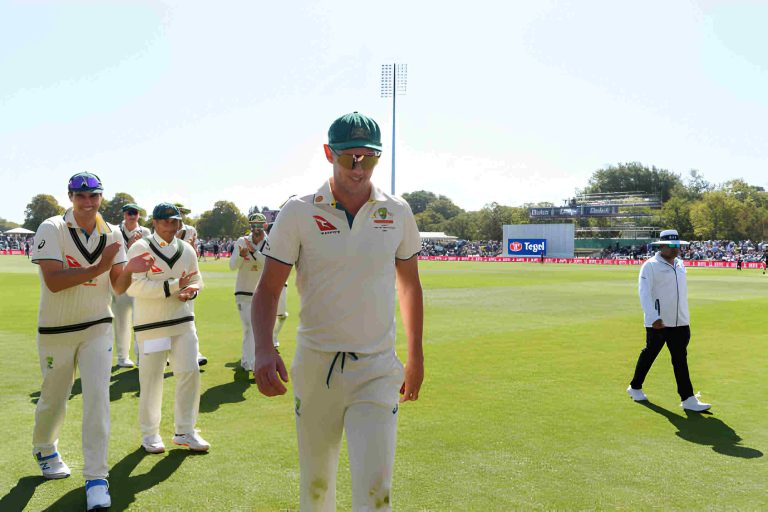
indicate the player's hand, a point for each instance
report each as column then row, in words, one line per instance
column 185, row 279
column 141, row 263
column 243, row 252
column 108, row 256
column 414, row 376
column 188, row 293
column 268, row 372
column 658, row 324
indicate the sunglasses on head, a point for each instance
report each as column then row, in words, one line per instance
column 366, row 162
column 84, row 183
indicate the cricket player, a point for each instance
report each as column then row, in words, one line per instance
column 188, row 233
column 350, row 243
column 122, row 304
column 248, row 260
column 164, row 323
column 664, row 298
column 81, row 260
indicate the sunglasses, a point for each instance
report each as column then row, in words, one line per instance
column 132, row 212
column 84, row 182
column 366, row 162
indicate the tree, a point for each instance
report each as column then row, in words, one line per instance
column 41, row 207
column 445, row 207
column 225, row 220
column 430, row 220
column 5, row 225
column 464, row 225
column 419, row 200
column 716, row 216
column 111, row 209
column 634, row 177
column 493, row 216
column 676, row 214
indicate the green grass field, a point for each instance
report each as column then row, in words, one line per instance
column 523, row 408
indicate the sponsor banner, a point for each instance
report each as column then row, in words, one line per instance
column 14, row 252
column 573, row 211
column 589, row 261
column 526, row 246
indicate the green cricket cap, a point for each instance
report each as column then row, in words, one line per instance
column 257, row 218
column 130, row 206
column 354, row 130
column 166, row 211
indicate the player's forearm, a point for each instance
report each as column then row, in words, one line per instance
column 61, row 279
column 143, row 288
column 122, row 282
column 263, row 311
column 412, row 313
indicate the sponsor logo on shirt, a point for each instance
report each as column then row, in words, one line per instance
column 41, row 245
column 72, row 262
column 325, row 227
column 155, row 269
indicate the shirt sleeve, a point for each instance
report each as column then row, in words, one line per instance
column 145, row 288
column 645, row 290
column 235, row 261
column 47, row 245
column 284, row 239
column 121, row 256
column 411, row 242
column 197, row 279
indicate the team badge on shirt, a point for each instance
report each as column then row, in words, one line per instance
column 382, row 219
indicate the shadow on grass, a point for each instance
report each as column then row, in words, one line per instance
column 229, row 393
column 703, row 428
column 18, row 497
column 124, row 487
column 120, row 383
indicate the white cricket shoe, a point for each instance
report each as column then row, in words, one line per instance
column 192, row 440
column 97, row 494
column 153, row 444
column 637, row 394
column 125, row 363
column 692, row 403
column 52, row 466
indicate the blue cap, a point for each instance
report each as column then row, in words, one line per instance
column 166, row 211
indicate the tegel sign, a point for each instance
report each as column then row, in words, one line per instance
column 526, row 246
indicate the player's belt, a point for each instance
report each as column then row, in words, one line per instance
column 164, row 323
column 74, row 327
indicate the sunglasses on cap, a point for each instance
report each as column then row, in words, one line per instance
column 84, row 182
column 366, row 162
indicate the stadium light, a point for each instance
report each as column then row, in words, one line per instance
column 394, row 81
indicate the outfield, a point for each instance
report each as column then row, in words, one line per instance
column 523, row 408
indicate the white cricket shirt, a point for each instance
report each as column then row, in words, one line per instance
column 79, row 307
column 248, row 268
column 345, row 275
column 663, row 292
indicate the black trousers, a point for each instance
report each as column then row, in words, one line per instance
column 677, row 339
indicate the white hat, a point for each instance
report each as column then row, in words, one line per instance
column 670, row 237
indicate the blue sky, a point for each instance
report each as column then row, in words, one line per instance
column 510, row 102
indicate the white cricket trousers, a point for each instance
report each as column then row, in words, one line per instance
column 243, row 303
column 89, row 350
column 353, row 393
column 122, row 307
column 186, row 372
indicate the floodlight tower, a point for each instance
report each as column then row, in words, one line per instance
column 394, row 81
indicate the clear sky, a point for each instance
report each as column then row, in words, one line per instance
column 507, row 101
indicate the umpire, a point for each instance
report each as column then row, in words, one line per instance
column 664, row 298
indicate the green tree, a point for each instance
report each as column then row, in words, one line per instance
column 676, row 214
column 225, row 220
column 493, row 216
column 419, row 200
column 5, row 225
column 112, row 211
column 445, row 207
column 464, row 226
column 430, row 220
column 634, row 177
column 716, row 216
column 41, row 207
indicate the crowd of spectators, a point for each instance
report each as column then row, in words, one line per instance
column 714, row 250
column 14, row 242
column 460, row 248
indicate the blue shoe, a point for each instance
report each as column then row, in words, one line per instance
column 97, row 494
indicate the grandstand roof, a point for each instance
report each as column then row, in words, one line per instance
column 435, row 235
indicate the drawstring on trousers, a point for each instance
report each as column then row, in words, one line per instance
column 333, row 363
